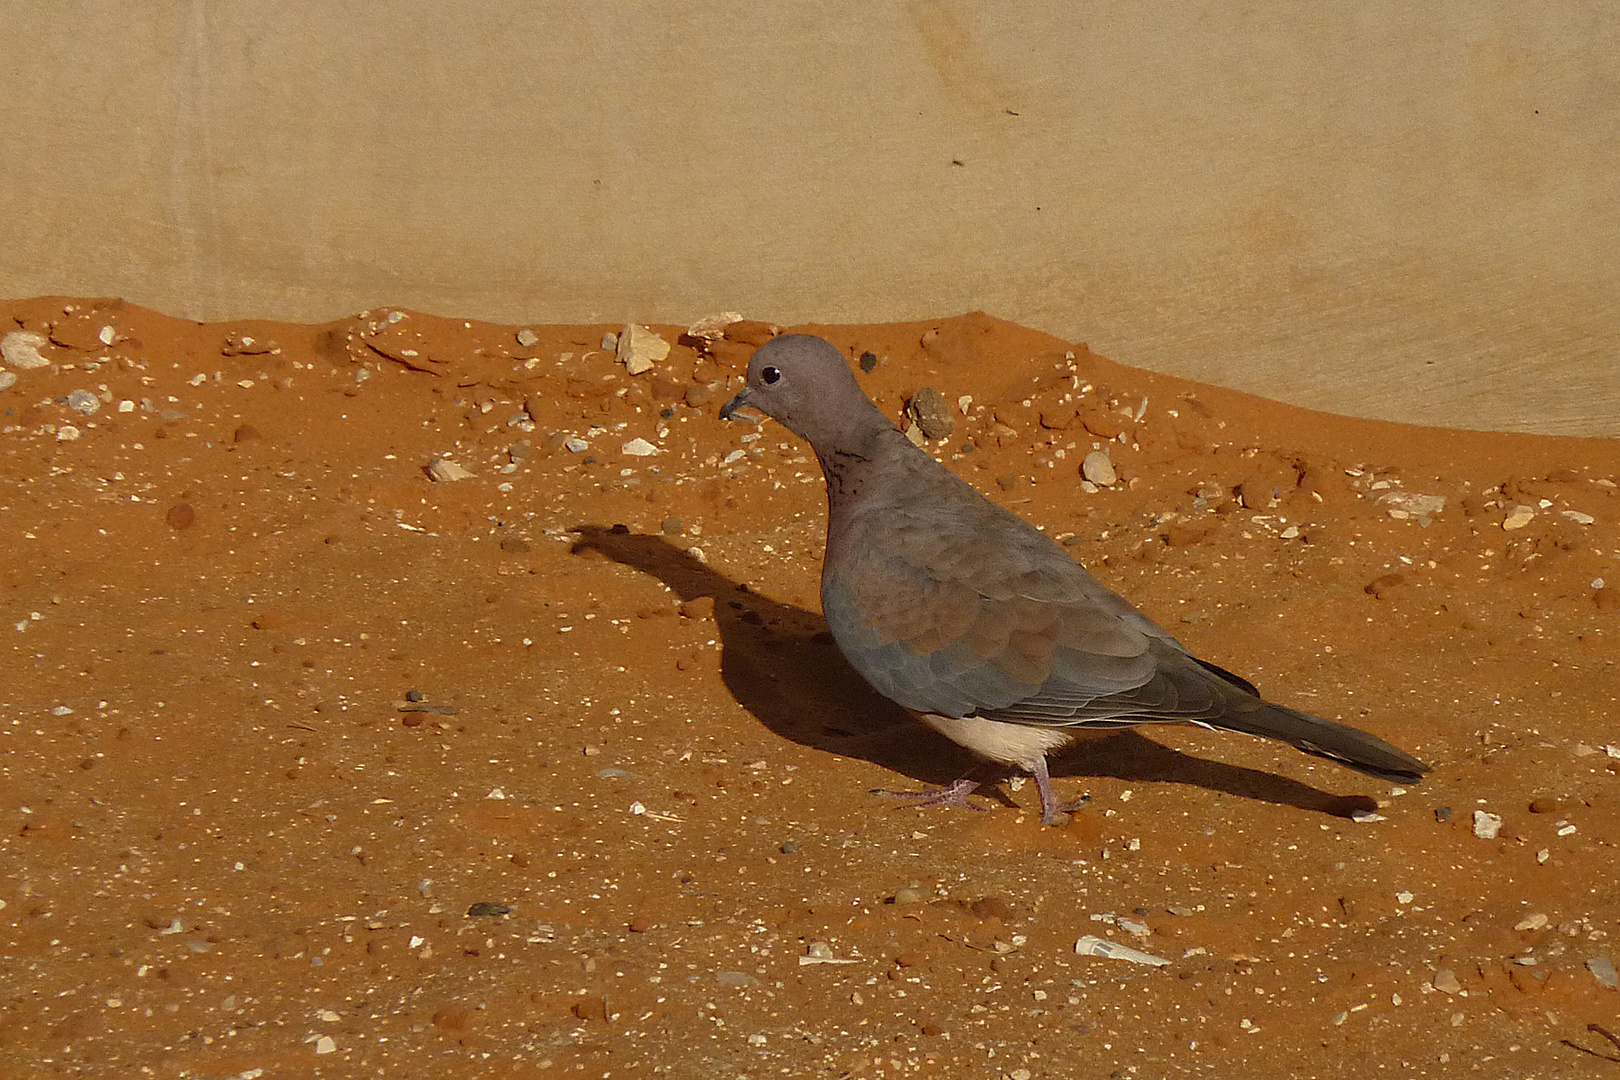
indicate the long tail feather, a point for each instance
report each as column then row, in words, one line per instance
column 1326, row 739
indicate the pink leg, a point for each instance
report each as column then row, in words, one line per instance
column 1052, row 811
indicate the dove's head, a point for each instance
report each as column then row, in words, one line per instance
column 805, row 384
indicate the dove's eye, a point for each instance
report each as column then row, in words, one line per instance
column 770, row 376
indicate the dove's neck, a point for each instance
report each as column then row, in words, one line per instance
column 857, row 455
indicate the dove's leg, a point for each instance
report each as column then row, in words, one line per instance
column 1052, row 811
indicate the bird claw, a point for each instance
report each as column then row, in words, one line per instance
column 1059, row 815
column 955, row 794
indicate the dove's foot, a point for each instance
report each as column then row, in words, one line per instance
column 954, row 794
column 1052, row 811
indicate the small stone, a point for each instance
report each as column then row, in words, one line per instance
column 672, row 526
column 913, row 895
column 1411, row 504
column 869, row 361
column 932, row 413
column 67, row 433
column 527, row 338
column 1534, row 921
column 20, row 349
column 610, row 341
column 108, row 336
column 180, row 516
column 638, row 447
column 1546, row 804
column 8, row 379
column 1579, row 518
column 445, row 471
column 1518, row 518
column 1446, row 982
column 246, row 433
column 914, row 435
column 1602, row 969
column 327, row 1016
column 639, row 348
column 244, row 345
column 699, row 607
column 489, row 908
column 83, row 401
column 713, row 327
column 1486, row 825
column 735, row 978
column 325, row 1045
column 1098, row 469
column 789, row 848
column 576, row 445
column 1442, row 814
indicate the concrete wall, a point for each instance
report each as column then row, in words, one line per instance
column 1407, row 211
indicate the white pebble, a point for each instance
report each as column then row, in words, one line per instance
column 1098, row 469
column 20, row 349
column 1518, row 518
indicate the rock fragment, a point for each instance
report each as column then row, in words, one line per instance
column 713, row 327
column 1518, row 517
column 445, row 471
column 639, row 348
column 20, row 349
column 931, row 412
column 1099, row 469
column 1487, row 825
column 527, row 338
column 638, row 447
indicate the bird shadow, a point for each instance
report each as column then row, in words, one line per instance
column 780, row 663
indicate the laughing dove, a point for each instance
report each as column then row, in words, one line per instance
column 975, row 621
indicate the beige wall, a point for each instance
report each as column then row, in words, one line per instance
column 1408, row 211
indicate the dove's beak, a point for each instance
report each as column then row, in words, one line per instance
column 729, row 409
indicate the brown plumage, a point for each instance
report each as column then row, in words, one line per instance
column 978, row 623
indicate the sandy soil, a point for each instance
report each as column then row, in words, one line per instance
column 279, row 710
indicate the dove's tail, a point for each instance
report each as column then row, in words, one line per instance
column 1325, row 739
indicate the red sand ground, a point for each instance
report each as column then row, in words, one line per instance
column 231, row 849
